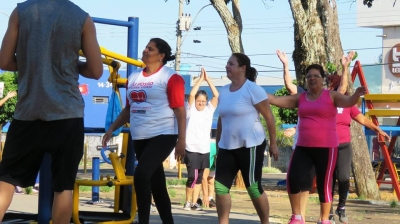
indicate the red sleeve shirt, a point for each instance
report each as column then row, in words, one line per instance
column 176, row 91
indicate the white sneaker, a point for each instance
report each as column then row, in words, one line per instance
column 187, row 206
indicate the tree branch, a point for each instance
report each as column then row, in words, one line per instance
column 233, row 27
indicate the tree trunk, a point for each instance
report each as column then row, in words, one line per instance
column 364, row 177
column 232, row 23
column 317, row 40
column 308, row 37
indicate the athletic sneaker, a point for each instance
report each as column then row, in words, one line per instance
column 342, row 215
column 325, row 222
column 330, row 221
column 187, row 206
column 199, row 202
column 293, row 220
column 18, row 190
column 196, row 207
column 212, row 203
column 152, row 207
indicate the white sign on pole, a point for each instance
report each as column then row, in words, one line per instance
column 1, row 89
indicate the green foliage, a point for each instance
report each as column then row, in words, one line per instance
column 331, row 67
column 361, row 197
column 286, row 116
column 355, row 56
column 393, row 204
column 10, row 84
column 281, row 139
column 28, row 190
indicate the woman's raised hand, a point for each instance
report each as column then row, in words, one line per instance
column 203, row 74
column 282, row 56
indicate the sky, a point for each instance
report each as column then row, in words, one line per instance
column 267, row 26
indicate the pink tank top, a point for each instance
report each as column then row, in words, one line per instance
column 317, row 126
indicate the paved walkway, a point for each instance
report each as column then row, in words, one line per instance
column 28, row 204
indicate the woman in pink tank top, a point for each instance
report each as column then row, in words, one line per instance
column 318, row 141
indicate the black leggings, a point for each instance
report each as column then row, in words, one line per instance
column 302, row 164
column 342, row 172
column 150, row 176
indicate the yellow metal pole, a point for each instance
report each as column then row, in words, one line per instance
column 121, row 58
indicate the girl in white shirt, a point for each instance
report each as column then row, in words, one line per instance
column 199, row 114
column 241, row 137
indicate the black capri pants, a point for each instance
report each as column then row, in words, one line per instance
column 301, row 168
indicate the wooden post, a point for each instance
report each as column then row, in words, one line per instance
column 239, row 182
column 1, row 150
column 179, row 169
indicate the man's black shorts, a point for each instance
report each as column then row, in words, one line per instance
column 28, row 141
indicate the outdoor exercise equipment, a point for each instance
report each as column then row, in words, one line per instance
column 111, row 217
column 46, row 192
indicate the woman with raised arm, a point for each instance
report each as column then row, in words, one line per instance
column 199, row 115
column 317, row 142
column 155, row 107
column 241, row 137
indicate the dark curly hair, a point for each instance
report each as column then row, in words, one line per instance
column 164, row 48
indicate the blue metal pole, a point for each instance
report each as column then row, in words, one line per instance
column 133, row 42
column 363, row 106
column 46, row 191
column 111, row 22
column 95, row 176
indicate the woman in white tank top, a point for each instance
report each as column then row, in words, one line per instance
column 199, row 117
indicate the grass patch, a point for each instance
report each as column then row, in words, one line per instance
column 106, row 189
column 183, row 199
column 358, row 217
column 172, row 193
column 175, row 182
column 314, row 199
column 85, row 188
column 267, row 169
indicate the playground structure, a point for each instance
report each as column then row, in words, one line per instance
column 123, row 166
column 388, row 162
